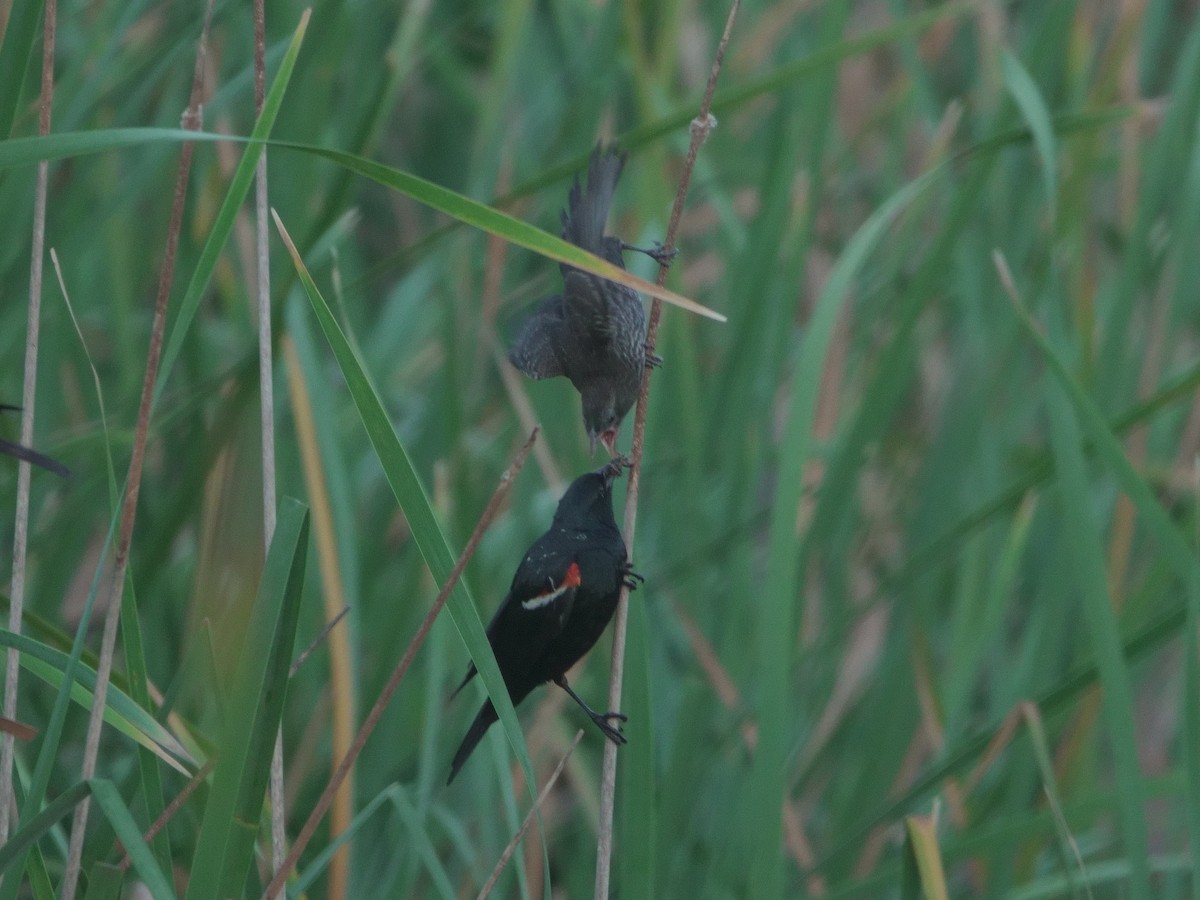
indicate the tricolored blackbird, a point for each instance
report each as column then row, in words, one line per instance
column 560, row 602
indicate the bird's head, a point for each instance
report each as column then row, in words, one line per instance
column 589, row 498
column 600, row 417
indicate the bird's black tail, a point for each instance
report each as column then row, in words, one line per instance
column 587, row 208
column 28, row 454
column 483, row 721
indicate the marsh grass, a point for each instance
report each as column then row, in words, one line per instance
column 918, row 523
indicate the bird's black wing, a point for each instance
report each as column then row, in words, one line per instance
column 537, row 607
column 537, row 350
column 533, row 613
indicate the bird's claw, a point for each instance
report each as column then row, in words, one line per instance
column 653, row 360
column 658, row 253
column 662, row 255
column 630, row 578
column 613, row 733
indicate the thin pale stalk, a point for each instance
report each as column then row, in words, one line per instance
column 700, row 128
column 385, row 696
column 24, row 470
column 502, row 862
column 267, row 400
column 192, row 120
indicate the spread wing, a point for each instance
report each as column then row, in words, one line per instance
column 537, row 350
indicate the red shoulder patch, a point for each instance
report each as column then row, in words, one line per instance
column 573, row 579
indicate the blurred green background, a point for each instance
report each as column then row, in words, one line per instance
column 880, row 510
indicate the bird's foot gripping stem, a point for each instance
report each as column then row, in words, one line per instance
column 610, row 731
column 658, row 252
column 630, row 578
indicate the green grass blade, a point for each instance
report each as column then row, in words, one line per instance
column 222, row 225
column 1084, row 547
column 48, row 751
column 16, row 55
column 122, row 712
column 925, row 876
column 1174, row 391
column 956, row 759
column 1045, row 763
column 791, row 72
column 491, row 220
column 118, row 815
column 775, row 629
column 260, row 685
column 26, row 151
column 418, row 834
column 305, row 879
column 1110, row 874
column 49, row 746
column 139, row 689
column 14, row 849
column 104, row 882
column 1191, row 725
column 1033, row 108
column 417, row 508
column 1166, row 534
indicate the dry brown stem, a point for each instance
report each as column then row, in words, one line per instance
column 700, row 128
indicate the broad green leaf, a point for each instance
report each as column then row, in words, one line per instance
column 226, row 841
column 118, row 815
column 34, row 827
column 121, row 712
column 24, row 151
column 775, row 632
column 414, row 502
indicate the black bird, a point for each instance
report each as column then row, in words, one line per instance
column 594, row 332
column 560, row 602
column 31, row 456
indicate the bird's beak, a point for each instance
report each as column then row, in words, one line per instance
column 609, row 440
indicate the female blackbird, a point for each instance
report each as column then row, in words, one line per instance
column 594, row 332
column 560, row 602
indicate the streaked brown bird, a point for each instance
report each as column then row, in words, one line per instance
column 594, row 332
